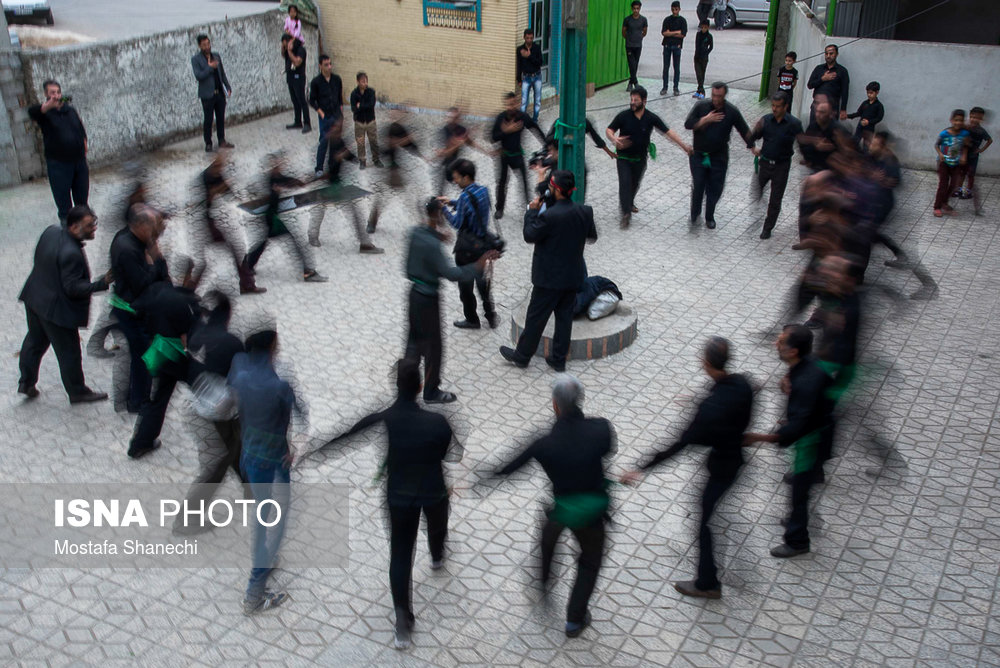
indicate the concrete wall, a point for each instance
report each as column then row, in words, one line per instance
column 425, row 66
column 140, row 93
column 921, row 83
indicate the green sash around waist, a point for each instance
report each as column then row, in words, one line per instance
column 161, row 350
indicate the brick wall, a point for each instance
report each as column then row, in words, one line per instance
column 424, row 66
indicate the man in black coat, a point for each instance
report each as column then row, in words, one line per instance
column 557, row 270
column 719, row 423
column 213, row 89
column 56, row 300
column 65, row 141
column 508, row 127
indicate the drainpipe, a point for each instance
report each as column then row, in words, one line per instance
column 831, row 9
column 772, row 26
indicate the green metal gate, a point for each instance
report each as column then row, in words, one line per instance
column 606, row 63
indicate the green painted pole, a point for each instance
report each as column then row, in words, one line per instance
column 831, row 10
column 765, row 70
column 573, row 93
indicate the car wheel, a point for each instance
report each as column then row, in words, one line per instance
column 49, row 19
column 730, row 18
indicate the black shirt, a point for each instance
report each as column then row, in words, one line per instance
column 510, row 142
column 703, row 44
column 674, row 23
column 840, row 317
column 572, row 454
column 714, row 137
column 166, row 310
column 218, row 346
column 814, row 156
column 131, row 271
column 418, row 442
column 721, row 419
column 809, row 408
column 62, row 132
column 836, row 89
column 363, row 105
column 779, row 138
column 977, row 136
column 787, row 78
column 397, row 133
column 531, row 65
column 590, row 130
column 873, row 113
column 291, row 71
column 327, row 95
column 451, row 132
column 638, row 131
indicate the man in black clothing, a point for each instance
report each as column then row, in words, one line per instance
column 674, row 30
column 454, row 137
column 294, row 53
column 721, row 419
column 779, row 130
column 528, row 72
column 213, row 89
column 704, row 43
column 326, row 96
column 56, row 300
column 634, row 29
column 630, row 132
column 507, row 129
column 712, row 122
column 572, row 455
column 426, row 265
column 363, row 108
column 809, row 416
column 418, row 444
column 557, row 270
column 704, row 9
column 65, row 141
column 136, row 263
column 821, row 137
column 831, row 80
column 398, row 137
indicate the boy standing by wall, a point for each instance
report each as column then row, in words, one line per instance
column 871, row 112
column 953, row 153
column 977, row 135
column 788, row 77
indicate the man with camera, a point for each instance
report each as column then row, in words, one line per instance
column 470, row 215
column 557, row 269
column 65, row 141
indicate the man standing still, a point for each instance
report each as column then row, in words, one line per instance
column 213, row 89
column 674, row 30
column 572, row 455
column 779, row 129
column 426, row 265
column 65, row 141
column 56, row 300
column 326, row 96
column 529, row 72
column 634, row 127
column 832, row 80
column 634, row 29
column 294, row 52
column 363, row 108
column 712, row 122
column 719, row 423
column 557, row 270
column 507, row 129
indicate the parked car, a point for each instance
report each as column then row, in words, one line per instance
column 747, row 11
column 27, row 11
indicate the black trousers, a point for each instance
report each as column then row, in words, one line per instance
column 544, row 302
column 700, row 65
column 468, row 297
column 588, row 564
column 704, row 11
column 151, row 415
column 632, row 54
column 775, row 173
column 65, row 341
column 797, row 529
column 715, row 489
column 629, row 177
column 424, row 338
column 297, row 91
column 404, row 523
column 508, row 163
column 216, row 464
column 214, row 106
column 707, row 183
column 70, row 184
column 139, row 381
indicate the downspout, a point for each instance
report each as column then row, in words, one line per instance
column 831, row 9
column 772, row 26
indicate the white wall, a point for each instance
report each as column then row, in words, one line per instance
column 922, row 82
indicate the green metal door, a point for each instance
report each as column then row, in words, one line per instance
column 606, row 63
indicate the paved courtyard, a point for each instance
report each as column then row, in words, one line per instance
column 906, row 540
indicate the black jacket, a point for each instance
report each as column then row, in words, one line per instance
column 58, row 288
column 529, row 66
column 836, row 89
column 809, row 409
column 510, row 142
column 128, row 263
column 559, row 236
column 62, row 133
column 327, row 95
column 363, row 105
column 721, row 419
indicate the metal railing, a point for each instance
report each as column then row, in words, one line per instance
column 460, row 14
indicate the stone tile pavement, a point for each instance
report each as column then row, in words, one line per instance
column 906, row 540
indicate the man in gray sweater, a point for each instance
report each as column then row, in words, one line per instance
column 213, row 89
column 426, row 265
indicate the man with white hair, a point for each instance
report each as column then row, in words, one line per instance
column 572, row 455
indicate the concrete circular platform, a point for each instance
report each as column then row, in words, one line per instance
column 591, row 339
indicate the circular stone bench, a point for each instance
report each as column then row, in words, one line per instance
column 591, row 339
